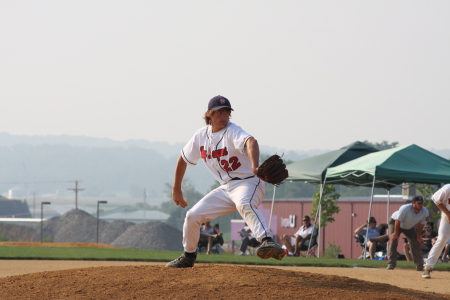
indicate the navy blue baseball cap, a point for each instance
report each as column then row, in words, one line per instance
column 219, row 102
column 417, row 199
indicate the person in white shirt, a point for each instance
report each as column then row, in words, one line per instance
column 409, row 215
column 232, row 156
column 442, row 200
column 300, row 238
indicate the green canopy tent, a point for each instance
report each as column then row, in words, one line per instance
column 392, row 167
column 313, row 170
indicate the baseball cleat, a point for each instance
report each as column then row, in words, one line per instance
column 182, row 262
column 426, row 271
column 269, row 249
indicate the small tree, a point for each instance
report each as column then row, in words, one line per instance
column 329, row 204
column 332, row 250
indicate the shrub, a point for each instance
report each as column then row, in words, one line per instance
column 332, row 250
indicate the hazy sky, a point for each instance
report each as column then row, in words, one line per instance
column 299, row 74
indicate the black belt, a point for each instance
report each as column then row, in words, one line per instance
column 237, row 178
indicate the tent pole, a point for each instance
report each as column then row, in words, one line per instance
column 319, row 236
column 271, row 209
column 368, row 219
column 388, row 215
column 319, row 213
column 388, row 205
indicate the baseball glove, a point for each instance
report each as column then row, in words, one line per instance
column 273, row 170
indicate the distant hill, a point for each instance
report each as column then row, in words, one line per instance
column 107, row 168
column 49, row 165
column 163, row 148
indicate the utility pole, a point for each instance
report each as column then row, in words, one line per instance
column 76, row 189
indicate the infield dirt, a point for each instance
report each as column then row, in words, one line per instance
column 144, row 280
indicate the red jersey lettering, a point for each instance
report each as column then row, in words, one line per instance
column 203, row 153
column 219, row 153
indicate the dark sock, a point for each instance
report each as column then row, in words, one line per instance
column 190, row 254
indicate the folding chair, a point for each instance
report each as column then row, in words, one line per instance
column 380, row 247
column 313, row 245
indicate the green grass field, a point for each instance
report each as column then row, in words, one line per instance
column 80, row 253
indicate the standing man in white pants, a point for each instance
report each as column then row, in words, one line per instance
column 232, row 156
column 442, row 200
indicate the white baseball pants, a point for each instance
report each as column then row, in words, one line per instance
column 443, row 236
column 243, row 196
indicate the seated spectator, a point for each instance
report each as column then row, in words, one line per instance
column 301, row 238
column 247, row 240
column 373, row 234
column 429, row 237
column 210, row 235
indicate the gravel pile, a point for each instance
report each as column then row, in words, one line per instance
column 77, row 226
column 111, row 231
column 17, row 233
column 152, row 235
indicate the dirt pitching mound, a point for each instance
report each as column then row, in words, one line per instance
column 204, row 281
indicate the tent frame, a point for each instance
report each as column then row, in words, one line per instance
column 318, row 215
column 374, row 181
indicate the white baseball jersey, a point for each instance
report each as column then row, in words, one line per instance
column 223, row 152
column 442, row 196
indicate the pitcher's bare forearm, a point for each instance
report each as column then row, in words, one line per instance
column 177, row 193
column 253, row 153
